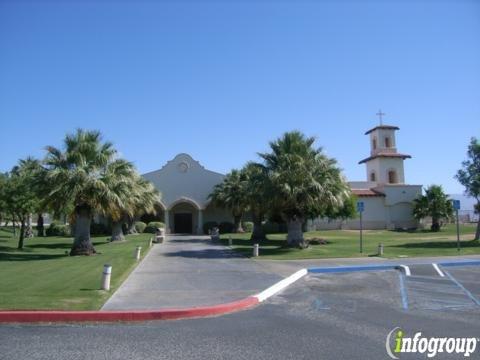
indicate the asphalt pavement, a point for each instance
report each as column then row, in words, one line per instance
column 322, row 316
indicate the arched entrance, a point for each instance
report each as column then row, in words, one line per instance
column 185, row 217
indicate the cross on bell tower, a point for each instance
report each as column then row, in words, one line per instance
column 380, row 115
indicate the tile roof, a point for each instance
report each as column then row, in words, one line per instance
column 386, row 127
column 385, row 155
column 367, row 192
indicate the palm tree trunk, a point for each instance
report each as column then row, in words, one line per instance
column 40, row 227
column 117, row 231
column 82, row 244
column 295, row 232
column 237, row 220
column 131, row 226
column 22, row 234
column 435, row 224
column 257, row 232
column 477, row 233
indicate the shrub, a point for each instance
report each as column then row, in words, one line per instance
column 247, row 226
column 208, row 226
column 152, row 227
column 140, row 226
column 97, row 229
column 226, row 227
column 57, row 229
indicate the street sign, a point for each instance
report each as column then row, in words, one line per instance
column 456, row 204
column 360, row 206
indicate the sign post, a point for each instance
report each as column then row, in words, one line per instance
column 360, row 208
column 456, row 206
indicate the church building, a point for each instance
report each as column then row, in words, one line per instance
column 185, row 185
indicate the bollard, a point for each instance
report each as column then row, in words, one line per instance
column 230, row 240
column 255, row 250
column 380, row 249
column 150, row 242
column 137, row 252
column 107, row 272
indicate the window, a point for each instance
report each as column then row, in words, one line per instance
column 387, row 142
column 372, row 176
column 392, row 177
column 374, row 143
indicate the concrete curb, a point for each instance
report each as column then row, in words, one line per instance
column 405, row 269
column 33, row 316
column 46, row 316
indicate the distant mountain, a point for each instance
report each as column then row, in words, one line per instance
column 466, row 203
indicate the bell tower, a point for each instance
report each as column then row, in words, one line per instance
column 385, row 164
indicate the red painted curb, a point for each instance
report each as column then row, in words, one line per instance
column 32, row 316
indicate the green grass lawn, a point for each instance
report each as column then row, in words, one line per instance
column 345, row 243
column 41, row 276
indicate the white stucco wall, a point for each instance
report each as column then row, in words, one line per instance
column 383, row 165
column 183, row 178
column 380, row 135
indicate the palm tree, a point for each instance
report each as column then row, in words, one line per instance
column 305, row 182
column 258, row 191
column 230, row 194
column 141, row 197
column 87, row 178
column 436, row 204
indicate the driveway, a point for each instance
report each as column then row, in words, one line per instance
column 190, row 271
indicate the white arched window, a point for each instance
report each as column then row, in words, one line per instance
column 373, row 176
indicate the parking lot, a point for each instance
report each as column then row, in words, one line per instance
column 321, row 316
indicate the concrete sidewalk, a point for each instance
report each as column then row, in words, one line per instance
column 190, row 271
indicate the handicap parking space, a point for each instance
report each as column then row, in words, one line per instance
column 343, row 293
column 433, row 287
column 467, row 277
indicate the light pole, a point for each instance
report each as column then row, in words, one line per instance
column 360, row 209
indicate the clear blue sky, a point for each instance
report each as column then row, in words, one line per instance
column 219, row 80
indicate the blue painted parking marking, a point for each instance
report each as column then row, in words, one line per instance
column 344, row 269
column 403, row 291
column 460, row 263
column 467, row 292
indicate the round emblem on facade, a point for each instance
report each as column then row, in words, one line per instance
column 183, row 167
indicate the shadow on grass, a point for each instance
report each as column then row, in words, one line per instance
column 190, row 241
column 28, row 257
column 50, row 246
column 438, row 245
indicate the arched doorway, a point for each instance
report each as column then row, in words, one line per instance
column 185, row 217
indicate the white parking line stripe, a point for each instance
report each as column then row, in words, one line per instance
column 272, row 290
column 440, row 272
